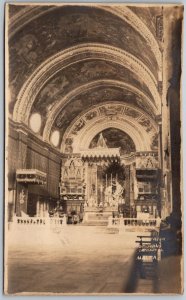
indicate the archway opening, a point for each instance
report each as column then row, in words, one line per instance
column 115, row 138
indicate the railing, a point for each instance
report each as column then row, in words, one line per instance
column 134, row 222
column 140, row 222
column 37, row 221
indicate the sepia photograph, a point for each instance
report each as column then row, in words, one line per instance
column 93, row 196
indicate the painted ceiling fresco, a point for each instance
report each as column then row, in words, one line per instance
column 88, row 99
column 63, row 27
column 69, row 26
column 14, row 9
column 148, row 15
column 115, row 138
column 79, row 74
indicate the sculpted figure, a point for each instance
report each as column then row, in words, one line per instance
column 109, row 195
column 118, row 194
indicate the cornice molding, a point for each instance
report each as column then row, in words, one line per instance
column 17, row 128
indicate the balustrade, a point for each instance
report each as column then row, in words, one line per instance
column 134, row 222
column 37, row 221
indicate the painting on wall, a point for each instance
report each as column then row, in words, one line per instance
column 115, row 138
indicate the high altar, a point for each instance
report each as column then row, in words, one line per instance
column 101, row 179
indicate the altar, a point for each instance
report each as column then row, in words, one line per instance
column 109, row 194
column 105, row 180
column 100, row 181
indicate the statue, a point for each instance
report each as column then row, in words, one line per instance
column 136, row 191
column 22, row 196
column 118, row 198
column 109, row 195
column 90, row 202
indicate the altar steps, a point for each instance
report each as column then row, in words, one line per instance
column 96, row 218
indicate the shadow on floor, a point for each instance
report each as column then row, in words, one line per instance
column 159, row 277
column 140, row 273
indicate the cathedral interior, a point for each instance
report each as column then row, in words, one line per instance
column 94, row 110
column 93, row 130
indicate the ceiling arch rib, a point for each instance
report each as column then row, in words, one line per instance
column 89, row 86
column 123, row 12
column 71, row 55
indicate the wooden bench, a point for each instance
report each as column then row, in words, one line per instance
column 149, row 248
column 148, row 254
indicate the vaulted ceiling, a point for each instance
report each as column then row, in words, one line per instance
column 65, row 59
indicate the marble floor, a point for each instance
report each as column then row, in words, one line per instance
column 76, row 259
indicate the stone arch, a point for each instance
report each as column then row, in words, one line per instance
column 140, row 123
column 132, row 131
column 81, row 141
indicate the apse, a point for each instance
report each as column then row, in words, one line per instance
column 115, row 138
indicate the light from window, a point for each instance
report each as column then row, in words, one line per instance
column 35, row 122
column 55, row 138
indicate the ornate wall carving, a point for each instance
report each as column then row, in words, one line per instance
column 117, row 113
column 72, row 185
column 147, row 161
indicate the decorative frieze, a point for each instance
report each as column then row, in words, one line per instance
column 147, row 160
column 111, row 113
column 72, row 185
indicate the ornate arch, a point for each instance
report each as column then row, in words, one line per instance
column 70, row 56
column 117, row 115
column 140, row 138
column 89, row 86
